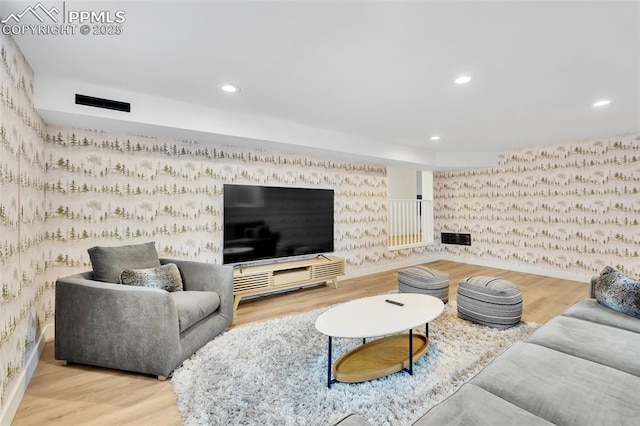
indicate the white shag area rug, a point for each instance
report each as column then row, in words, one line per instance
column 275, row 373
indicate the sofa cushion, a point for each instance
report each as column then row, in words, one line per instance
column 591, row 310
column 591, row 341
column 618, row 291
column 472, row 405
column 561, row 388
column 108, row 262
column 193, row 306
column 165, row 277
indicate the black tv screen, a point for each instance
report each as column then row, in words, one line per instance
column 268, row 222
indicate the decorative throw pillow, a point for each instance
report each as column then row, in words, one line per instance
column 618, row 292
column 165, row 277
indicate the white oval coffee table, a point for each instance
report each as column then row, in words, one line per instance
column 374, row 317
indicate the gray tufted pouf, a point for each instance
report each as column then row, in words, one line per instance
column 490, row 301
column 424, row 280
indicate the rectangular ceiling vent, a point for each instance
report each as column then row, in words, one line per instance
column 455, row 238
column 102, row 103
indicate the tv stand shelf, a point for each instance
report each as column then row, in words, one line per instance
column 260, row 279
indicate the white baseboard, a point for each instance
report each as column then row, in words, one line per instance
column 388, row 267
column 16, row 392
column 527, row 269
column 49, row 332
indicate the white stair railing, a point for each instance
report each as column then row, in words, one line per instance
column 410, row 224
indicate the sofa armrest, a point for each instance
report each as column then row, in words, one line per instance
column 200, row 276
column 113, row 325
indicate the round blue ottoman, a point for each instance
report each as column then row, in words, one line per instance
column 490, row 301
column 424, row 280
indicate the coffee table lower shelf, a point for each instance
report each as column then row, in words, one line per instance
column 379, row 358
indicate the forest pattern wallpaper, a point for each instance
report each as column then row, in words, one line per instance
column 569, row 207
column 106, row 189
column 25, row 299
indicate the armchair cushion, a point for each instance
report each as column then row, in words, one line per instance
column 193, row 306
column 165, row 277
column 108, row 262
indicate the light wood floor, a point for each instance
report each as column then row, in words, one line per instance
column 75, row 394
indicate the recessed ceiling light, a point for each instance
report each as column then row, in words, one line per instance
column 435, row 138
column 463, row 79
column 602, row 103
column 230, row 88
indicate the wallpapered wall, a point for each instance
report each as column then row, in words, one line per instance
column 65, row 190
column 114, row 189
column 572, row 207
column 25, row 300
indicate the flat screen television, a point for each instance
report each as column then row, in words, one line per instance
column 269, row 222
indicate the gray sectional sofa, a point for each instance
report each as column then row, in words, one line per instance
column 580, row 368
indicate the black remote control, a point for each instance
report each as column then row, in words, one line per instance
column 393, row 302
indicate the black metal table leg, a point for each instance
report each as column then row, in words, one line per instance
column 329, row 381
column 426, row 330
column 410, row 368
column 411, row 352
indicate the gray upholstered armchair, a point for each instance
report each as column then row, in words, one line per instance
column 141, row 329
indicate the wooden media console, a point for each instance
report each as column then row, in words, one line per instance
column 261, row 279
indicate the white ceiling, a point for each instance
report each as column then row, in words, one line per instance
column 369, row 78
